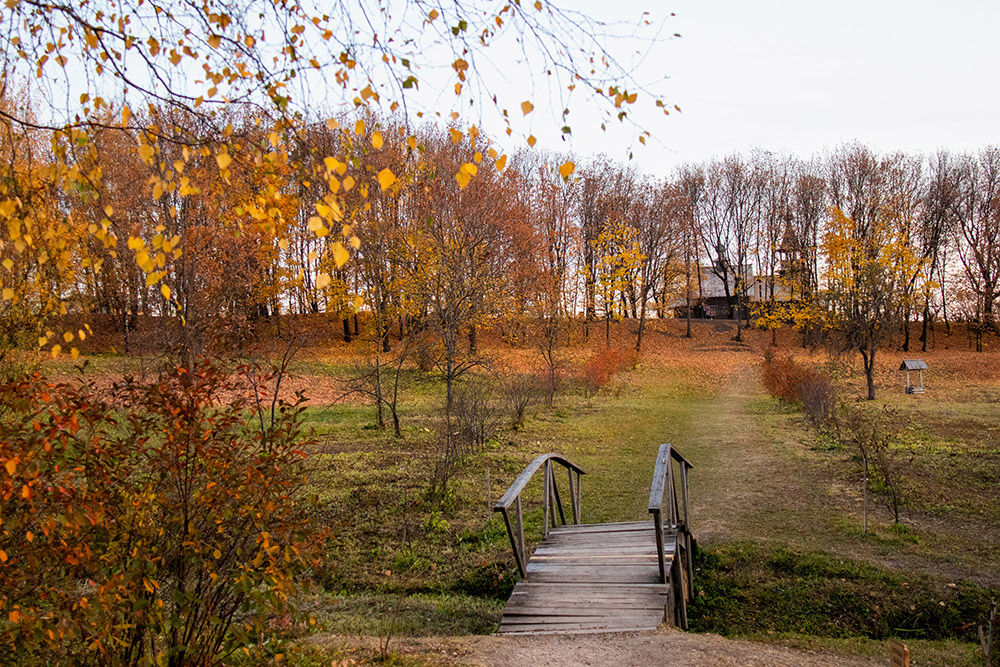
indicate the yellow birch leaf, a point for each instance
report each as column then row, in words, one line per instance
column 224, row 160
column 355, row 242
column 456, row 135
column 340, row 254
column 358, row 302
column 56, row 349
column 68, row 337
column 359, row 127
column 463, row 179
column 283, row 244
column 165, row 291
column 332, row 124
column 8, row 264
column 146, row 153
column 567, row 169
column 8, row 294
column 532, row 140
column 322, row 280
column 11, row 466
column 386, row 178
column 501, row 163
column 526, row 107
column 376, row 140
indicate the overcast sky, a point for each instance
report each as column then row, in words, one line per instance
column 803, row 76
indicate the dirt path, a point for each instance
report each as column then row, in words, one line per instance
column 743, row 486
column 665, row 646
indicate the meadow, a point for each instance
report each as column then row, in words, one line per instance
column 777, row 502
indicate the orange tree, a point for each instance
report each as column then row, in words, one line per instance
column 161, row 529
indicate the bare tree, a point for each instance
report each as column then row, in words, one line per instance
column 978, row 212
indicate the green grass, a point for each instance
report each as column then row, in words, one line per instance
column 745, row 589
column 776, row 506
column 773, row 501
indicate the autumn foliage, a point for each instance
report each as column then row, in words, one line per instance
column 791, row 381
column 603, row 365
column 162, row 525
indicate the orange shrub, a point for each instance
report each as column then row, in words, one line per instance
column 602, row 365
column 791, row 381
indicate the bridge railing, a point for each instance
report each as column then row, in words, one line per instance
column 673, row 514
column 551, row 502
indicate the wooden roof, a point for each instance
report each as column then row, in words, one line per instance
column 913, row 365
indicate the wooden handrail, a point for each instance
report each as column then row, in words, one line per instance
column 551, row 502
column 663, row 479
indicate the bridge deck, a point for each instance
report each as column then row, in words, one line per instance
column 593, row 578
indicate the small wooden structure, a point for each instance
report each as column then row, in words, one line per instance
column 899, row 654
column 605, row 577
column 918, row 365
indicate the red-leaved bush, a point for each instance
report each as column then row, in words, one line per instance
column 791, row 381
column 602, row 365
column 163, row 526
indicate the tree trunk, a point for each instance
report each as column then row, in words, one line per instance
column 739, row 320
column 923, row 333
column 347, row 330
column 906, row 330
column 642, row 325
column 869, row 359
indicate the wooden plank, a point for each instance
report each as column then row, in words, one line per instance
column 605, row 527
column 567, row 615
column 626, row 574
column 608, row 538
column 584, row 549
column 618, row 620
column 576, row 593
column 606, row 541
column 570, row 628
column 652, row 618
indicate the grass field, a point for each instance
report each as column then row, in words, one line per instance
column 776, row 504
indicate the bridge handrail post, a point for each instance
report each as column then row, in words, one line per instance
column 550, row 501
column 663, row 477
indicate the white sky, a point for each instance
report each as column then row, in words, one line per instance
column 800, row 77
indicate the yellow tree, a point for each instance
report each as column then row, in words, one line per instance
column 618, row 256
column 869, row 269
column 170, row 75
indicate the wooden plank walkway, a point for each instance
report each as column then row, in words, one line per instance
column 593, row 578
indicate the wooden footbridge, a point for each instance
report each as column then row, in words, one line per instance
column 604, row 577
